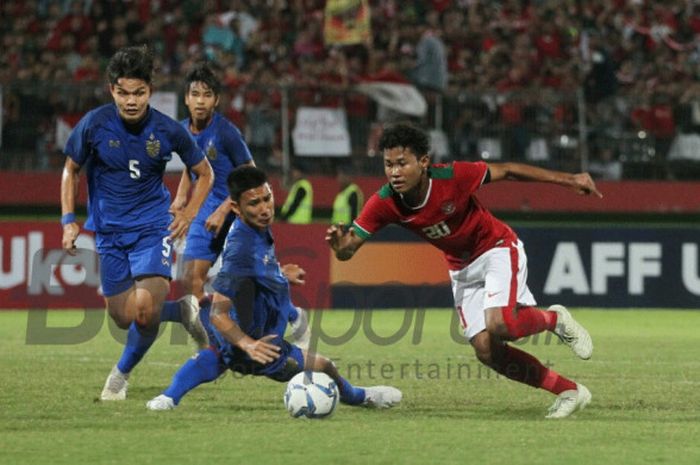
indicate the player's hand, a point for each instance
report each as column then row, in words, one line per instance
column 334, row 234
column 180, row 225
column 261, row 350
column 215, row 221
column 178, row 204
column 294, row 273
column 70, row 234
column 584, row 185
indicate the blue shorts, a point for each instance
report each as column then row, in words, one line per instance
column 126, row 256
column 203, row 244
column 289, row 363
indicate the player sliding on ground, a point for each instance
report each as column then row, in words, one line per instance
column 486, row 260
column 248, row 338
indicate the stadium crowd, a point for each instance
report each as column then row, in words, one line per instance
column 637, row 61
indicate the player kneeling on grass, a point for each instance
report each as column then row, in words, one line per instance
column 487, row 261
column 251, row 342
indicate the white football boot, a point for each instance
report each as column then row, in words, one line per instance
column 572, row 333
column 382, row 396
column 189, row 313
column 162, row 402
column 115, row 386
column 569, row 402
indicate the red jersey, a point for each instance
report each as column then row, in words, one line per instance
column 451, row 217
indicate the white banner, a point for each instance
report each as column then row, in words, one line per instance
column 403, row 98
column 321, row 132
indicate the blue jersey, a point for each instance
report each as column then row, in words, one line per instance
column 125, row 167
column 223, row 145
column 250, row 254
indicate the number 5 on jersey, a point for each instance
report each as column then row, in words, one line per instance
column 134, row 170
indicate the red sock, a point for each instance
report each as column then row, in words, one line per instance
column 525, row 368
column 525, row 321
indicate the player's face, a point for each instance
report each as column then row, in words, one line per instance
column 201, row 102
column 404, row 169
column 131, row 97
column 256, row 207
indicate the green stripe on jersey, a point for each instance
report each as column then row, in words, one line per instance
column 385, row 191
column 362, row 233
column 442, row 173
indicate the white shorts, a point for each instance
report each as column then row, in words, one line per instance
column 498, row 278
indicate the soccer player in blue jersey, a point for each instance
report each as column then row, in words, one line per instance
column 125, row 147
column 253, row 344
column 222, row 143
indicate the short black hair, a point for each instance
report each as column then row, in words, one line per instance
column 203, row 72
column 244, row 178
column 406, row 135
column 131, row 62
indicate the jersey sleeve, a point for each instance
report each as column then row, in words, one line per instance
column 78, row 146
column 470, row 175
column 235, row 147
column 374, row 216
column 186, row 147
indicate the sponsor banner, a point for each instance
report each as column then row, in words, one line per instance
column 614, row 267
column 35, row 273
column 627, row 267
column 321, row 132
column 347, row 22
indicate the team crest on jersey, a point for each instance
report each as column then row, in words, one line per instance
column 448, row 207
column 114, row 143
column 152, row 146
column 211, row 151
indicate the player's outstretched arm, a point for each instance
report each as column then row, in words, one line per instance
column 581, row 183
column 261, row 350
column 183, row 189
column 183, row 218
column 69, row 192
column 344, row 242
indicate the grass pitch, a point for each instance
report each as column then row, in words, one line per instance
column 644, row 377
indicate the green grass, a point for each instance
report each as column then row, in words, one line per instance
column 644, row 377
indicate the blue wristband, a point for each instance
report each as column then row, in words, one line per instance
column 68, row 218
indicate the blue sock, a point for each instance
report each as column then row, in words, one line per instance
column 138, row 341
column 171, row 311
column 350, row 394
column 202, row 368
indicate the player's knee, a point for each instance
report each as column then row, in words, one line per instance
column 120, row 317
column 482, row 348
column 146, row 316
column 121, row 321
column 498, row 321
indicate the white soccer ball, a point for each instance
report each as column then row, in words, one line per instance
column 311, row 394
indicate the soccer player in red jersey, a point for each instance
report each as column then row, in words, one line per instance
column 486, row 260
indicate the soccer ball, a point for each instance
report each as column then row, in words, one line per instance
column 311, row 394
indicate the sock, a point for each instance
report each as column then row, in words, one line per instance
column 350, row 394
column 171, row 311
column 138, row 341
column 204, row 312
column 200, row 369
column 525, row 368
column 525, row 321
